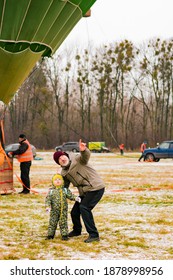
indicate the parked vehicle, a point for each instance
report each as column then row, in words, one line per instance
column 162, row 151
column 69, row 147
column 98, row 147
column 15, row 146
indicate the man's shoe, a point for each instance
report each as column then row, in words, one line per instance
column 65, row 237
column 91, row 239
column 24, row 192
column 73, row 233
column 49, row 237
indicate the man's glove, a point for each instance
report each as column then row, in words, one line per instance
column 47, row 209
column 78, row 199
column 10, row 154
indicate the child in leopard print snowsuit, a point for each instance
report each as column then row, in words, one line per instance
column 56, row 204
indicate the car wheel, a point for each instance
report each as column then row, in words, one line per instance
column 96, row 151
column 149, row 157
column 157, row 159
column 74, row 151
column 59, row 150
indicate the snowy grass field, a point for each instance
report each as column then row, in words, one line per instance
column 134, row 217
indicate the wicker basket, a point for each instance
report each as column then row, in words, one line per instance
column 6, row 177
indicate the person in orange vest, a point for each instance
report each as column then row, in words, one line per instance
column 25, row 156
column 142, row 148
column 121, row 147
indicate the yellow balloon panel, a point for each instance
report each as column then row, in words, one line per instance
column 14, row 69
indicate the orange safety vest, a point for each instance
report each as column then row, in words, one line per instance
column 121, row 146
column 27, row 155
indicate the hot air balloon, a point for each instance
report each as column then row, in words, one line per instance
column 29, row 30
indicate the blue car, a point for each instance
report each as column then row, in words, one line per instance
column 164, row 150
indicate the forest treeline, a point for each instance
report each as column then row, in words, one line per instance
column 117, row 93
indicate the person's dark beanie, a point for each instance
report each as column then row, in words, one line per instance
column 22, row 136
column 57, row 155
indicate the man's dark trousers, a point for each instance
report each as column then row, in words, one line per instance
column 84, row 208
column 25, row 169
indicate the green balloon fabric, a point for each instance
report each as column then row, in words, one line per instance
column 29, row 30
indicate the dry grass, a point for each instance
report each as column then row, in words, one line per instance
column 134, row 218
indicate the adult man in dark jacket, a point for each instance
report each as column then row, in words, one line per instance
column 142, row 148
column 25, row 156
column 90, row 186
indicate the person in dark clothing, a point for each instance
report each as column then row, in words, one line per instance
column 142, row 148
column 25, row 156
column 76, row 170
column 121, row 147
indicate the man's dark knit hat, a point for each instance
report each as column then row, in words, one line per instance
column 22, row 136
column 57, row 155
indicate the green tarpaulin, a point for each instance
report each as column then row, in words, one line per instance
column 30, row 29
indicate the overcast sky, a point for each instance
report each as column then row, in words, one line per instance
column 114, row 20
